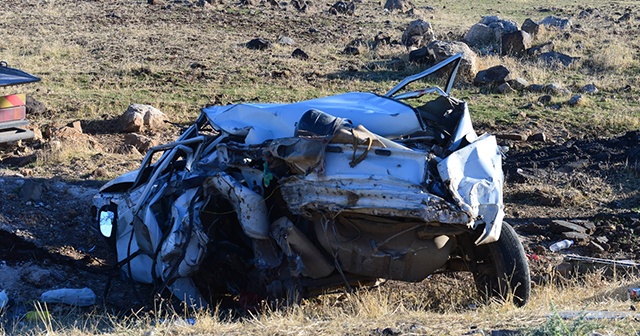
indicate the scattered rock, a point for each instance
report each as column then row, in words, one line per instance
column 560, row 226
column 518, row 83
column 140, row 142
column 285, row 40
column 34, row 107
column 349, row 50
column 493, row 76
column 391, row 332
column 419, row 33
column 589, row 89
column 482, row 38
column 536, row 88
column 555, row 22
column 66, row 133
column 546, row 99
column 442, row 50
column 421, row 56
column 540, row 49
column 505, row 88
column 140, row 117
column 577, row 236
column 31, row 191
column 342, row 7
column 258, row 44
column 533, row 28
column 400, row 5
column 486, row 35
column 555, row 58
column 76, row 125
column 588, row 225
column 299, row 53
column 576, row 100
column 516, row 43
column 555, row 89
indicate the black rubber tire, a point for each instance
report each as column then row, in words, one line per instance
column 503, row 268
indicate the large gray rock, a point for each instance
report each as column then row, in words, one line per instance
column 556, row 22
column 441, row 50
column 516, row 43
column 483, row 38
column 419, row 33
column 140, row 117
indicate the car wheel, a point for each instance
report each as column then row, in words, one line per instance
column 502, row 268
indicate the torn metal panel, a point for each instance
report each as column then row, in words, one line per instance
column 474, row 177
column 250, row 206
column 375, row 197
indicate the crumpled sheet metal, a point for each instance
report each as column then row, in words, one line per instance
column 474, row 177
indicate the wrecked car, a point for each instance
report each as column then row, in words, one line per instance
column 13, row 107
column 283, row 201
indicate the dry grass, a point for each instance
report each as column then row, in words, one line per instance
column 408, row 309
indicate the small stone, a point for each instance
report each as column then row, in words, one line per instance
column 546, row 99
column 342, row 7
column 391, row 332
column 518, row 83
column 576, row 100
column 351, row 51
column 285, row 40
column 589, row 89
column 539, row 137
column 554, row 89
column 560, row 226
column 495, row 75
column 77, row 125
column 299, row 53
column 535, row 88
column 258, row 44
column 577, row 236
column 505, row 88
